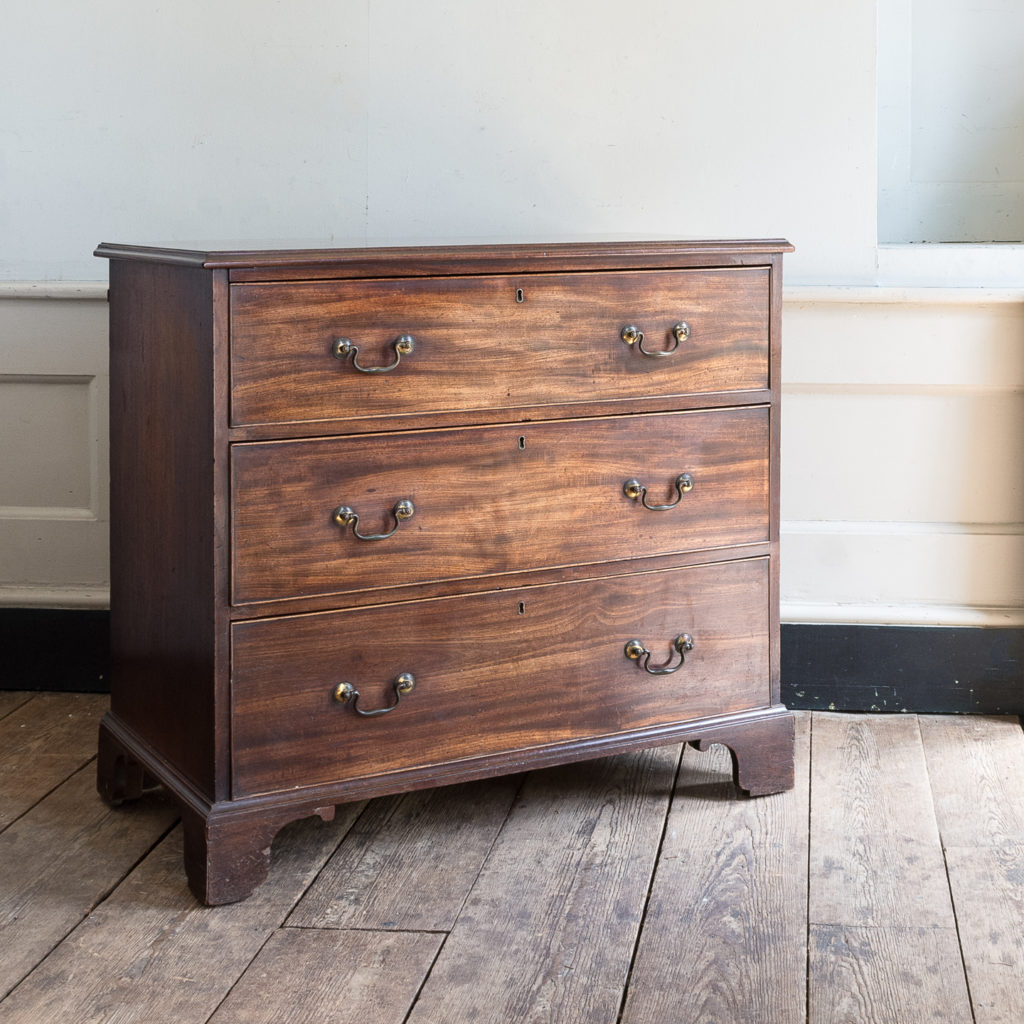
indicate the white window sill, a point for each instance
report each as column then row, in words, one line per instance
column 951, row 265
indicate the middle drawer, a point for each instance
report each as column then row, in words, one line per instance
column 449, row 504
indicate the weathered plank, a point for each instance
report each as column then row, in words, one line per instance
column 875, row 858
column 725, row 937
column 865, row 976
column 11, row 700
column 331, row 977
column 548, row 930
column 150, row 953
column 60, row 859
column 976, row 764
column 409, row 861
column 883, row 936
column 42, row 742
column 989, row 900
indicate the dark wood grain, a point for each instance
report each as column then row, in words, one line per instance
column 314, row 259
column 163, row 548
column 477, row 346
column 497, row 672
column 238, row 604
column 493, row 500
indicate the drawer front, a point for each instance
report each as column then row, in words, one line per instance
column 492, row 673
column 492, row 499
column 492, row 342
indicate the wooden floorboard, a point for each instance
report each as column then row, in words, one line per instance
column 888, row 886
column 59, row 859
column 976, row 767
column 548, row 931
column 725, row 937
column 42, row 742
column 332, row 977
column 877, row 880
column 409, row 861
column 150, row 954
column 11, row 700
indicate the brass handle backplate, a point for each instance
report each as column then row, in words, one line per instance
column 636, row 651
column 342, row 348
column 346, row 693
column 345, row 515
column 632, row 335
column 638, row 492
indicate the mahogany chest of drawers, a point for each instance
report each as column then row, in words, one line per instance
column 393, row 518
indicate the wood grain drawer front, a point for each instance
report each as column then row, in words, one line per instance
column 492, row 342
column 493, row 672
column 492, row 499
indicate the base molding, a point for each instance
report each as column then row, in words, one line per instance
column 925, row 669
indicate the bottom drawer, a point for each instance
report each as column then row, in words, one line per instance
column 493, row 672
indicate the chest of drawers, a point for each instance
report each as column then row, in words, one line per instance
column 392, row 518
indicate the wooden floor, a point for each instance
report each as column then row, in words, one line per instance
column 888, row 886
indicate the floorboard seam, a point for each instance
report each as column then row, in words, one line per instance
column 650, row 886
column 323, row 867
column 53, row 789
column 487, row 856
column 426, row 977
column 365, row 928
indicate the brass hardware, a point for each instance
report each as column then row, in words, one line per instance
column 345, row 693
column 345, row 515
column 345, row 347
column 632, row 335
column 637, row 492
column 636, row 651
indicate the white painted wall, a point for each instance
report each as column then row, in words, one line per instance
column 348, row 119
column 384, row 120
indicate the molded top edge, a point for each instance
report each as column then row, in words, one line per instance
column 284, row 256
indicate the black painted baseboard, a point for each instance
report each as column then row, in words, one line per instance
column 54, row 649
column 936, row 669
column 824, row 668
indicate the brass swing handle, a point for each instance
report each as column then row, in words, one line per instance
column 632, row 335
column 345, row 693
column 345, row 515
column 638, row 492
column 636, row 651
column 342, row 348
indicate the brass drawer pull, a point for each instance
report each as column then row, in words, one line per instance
column 345, row 347
column 636, row 651
column 345, row 693
column 345, row 515
column 636, row 490
column 632, row 335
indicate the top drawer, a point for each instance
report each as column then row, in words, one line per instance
column 497, row 342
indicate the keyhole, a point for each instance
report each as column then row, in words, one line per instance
column 522, row 443
column 522, row 607
column 519, row 295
